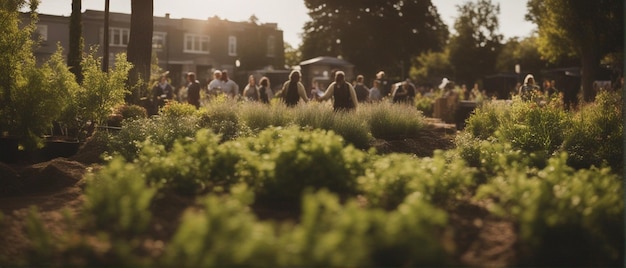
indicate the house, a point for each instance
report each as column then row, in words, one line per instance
column 180, row 45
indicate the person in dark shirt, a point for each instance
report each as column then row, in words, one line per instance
column 342, row 93
column 362, row 92
column 293, row 90
column 193, row 90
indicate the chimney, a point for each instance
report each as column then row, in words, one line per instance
column 167, row 15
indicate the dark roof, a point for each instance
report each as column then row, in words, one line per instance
column 326, row 60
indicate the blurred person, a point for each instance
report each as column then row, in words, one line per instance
column 215, row 86
column 362, row 92
column 405, row 93
column 529, row 88
column 193, row 90
column 293, row 90
column 162, row 92
column 229, row 87
column 343, row 94
column 251, row 91
column 265, row 91
column 375, row 94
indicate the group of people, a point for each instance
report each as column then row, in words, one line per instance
column 344, row 95
column 531, row 90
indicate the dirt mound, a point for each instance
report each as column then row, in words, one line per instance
column 48, row 176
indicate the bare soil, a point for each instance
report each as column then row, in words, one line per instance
column 56, row 187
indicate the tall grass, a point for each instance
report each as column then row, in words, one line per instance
column 392, row 121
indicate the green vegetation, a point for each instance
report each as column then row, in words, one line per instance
column 341, row 205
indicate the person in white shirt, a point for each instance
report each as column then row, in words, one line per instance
column 229, row 87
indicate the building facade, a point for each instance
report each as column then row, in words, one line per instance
column 179, row 45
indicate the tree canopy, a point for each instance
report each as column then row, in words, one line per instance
column 586, row 29
column 475, row 46
column 373, row 35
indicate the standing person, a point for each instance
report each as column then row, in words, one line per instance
column 265, row 92
column 362, row 92
column 343, row 94
column 215, row 86
column 293, row 90
column 162, row 92
column 229, row 87
column 385, row 85
column 529, row 88
column 375, row 95
column 193, row 90
column 251, row 91
column 405, row 93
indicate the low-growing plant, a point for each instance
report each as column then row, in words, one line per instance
column 331, row 234
column 117, row 198
column 390, row 179
column 558, row 204
column 485, row 120
column 224, row 233
column 295, row 159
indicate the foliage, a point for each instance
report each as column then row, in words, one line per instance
column 431, row 67
column 353, row 30
column 117, row 198
column 525, row 52
column 102, row 91
column 223, row 233
column 330, row 234
column 27, row 100
column 390, row 179
column 586, row 30
column 477, row 42
column 294, row 160
column 223, row 119
column 132, row 111
column 534, row 129
column 391, row 121
column 585, row 205
column 596, row 135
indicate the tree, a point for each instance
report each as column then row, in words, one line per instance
column 140, row 46
column 293, row 56
column 373, row 35
column 431, row 67
column 477, row 43
column 586, row 29
column 524, row 52
column 76, row 41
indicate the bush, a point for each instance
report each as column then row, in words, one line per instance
column 558, row 204
column 596, row 135
column 390, row 179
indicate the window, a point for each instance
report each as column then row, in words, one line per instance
column 271, row 46
column 196, row 43
column 119, row 36
column 42, row 32
column 232, row 46
column 158, row 40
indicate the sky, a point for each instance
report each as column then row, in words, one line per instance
column 290, row 15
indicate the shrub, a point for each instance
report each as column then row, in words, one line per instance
column 596, row 135
column 392, row 178
column 565, row 217
column 294, row 160
column 485, row 120
column 117, row 198
column 259, row 116
column 534, row 129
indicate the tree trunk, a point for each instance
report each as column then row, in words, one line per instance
column 590, row 61
column 76, row 41
column 140, row 47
